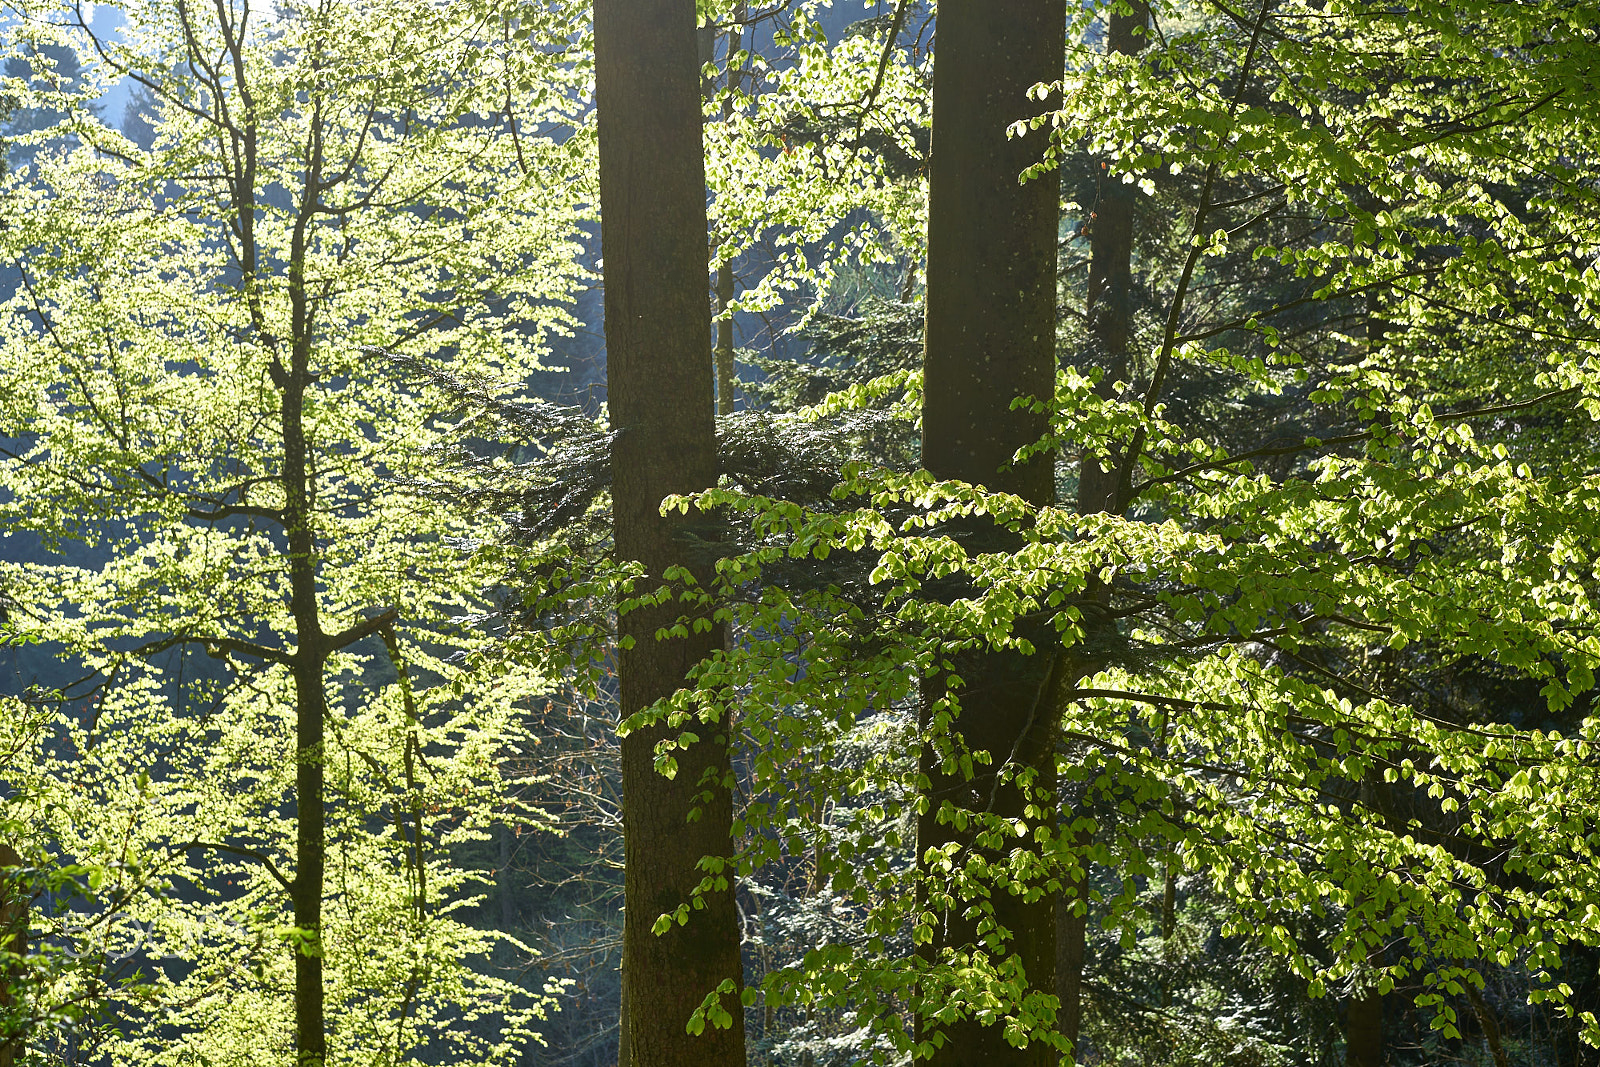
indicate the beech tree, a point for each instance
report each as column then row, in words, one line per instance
column 662, row 407
column 1248, row 584
column 1286, row 574
column 217, row 369
column 990, row 338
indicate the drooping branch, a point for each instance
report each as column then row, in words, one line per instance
column 244, row 853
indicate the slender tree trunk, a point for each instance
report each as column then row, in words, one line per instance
column 1110, row 312
column 1111, row 296
column 311, row 1040
column 13, row 940
column 1489, row 1025
column 990, row 338
column 1363, row 1028
column 507, row 886
column 725, row 369
column 658, row 331
column 1111, row 304
column 726, row 381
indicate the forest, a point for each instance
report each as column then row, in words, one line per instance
column 799, row 533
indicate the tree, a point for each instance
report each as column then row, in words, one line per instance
column 1109, row 301
column 13, row 947
column 661, row 401
column 1247, row 599
column 218, row 362
column 990, row 339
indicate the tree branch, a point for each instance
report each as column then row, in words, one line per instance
column 246, row 853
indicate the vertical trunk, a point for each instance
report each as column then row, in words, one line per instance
column 724, row 354
column 1489, row 1025
column 311, row 1041
column 507, row 886
column 1111, row 296
column 1363, row 1031
column 13, row 941
column 658, row 331
column 725, row 378
column 1070, row 931
column 1363, row 1028
column 1110, row 312
column 990, row 337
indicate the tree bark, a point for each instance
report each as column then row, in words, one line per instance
column 1363, row 1031
column 311, row 1039
column 725, row 368
column 1489, row 1025
column 13, row 940
column 726, row 379
column 1070, row 944
column 1110, row 302
column 658, row 331
column 1363, row 1028
column 990, row 338
column 1110, row 306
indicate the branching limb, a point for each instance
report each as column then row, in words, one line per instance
column 244, row 853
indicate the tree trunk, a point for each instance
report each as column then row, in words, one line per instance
column 724, row 279
column 725, row 370
column 311, row 1039
column 1363, row 1028
column 1110, row 306
column 1110, row 296
column 1363, row 1031
column 658, row 331
column 1070, row 938
column 1489, row 1025
column 13, row 940
column 990, row 338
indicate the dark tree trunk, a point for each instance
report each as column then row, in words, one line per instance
column 1110, row 307
column 1363, row 1026
column 13, row 940
column 726, row 377
column 725, row 368
column 311, row 1039
column 1363, row 1031
column 1070, row 938
column 658, row 332
column 1111, row 294
column 990, row 338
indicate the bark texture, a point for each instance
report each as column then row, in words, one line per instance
column 1111, row 296
column 1363, row 1031
column 726, row 374
column 1070, row 928
column 1111, row 301
column 13, row 940
column 659, row 383
column 990, row 338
